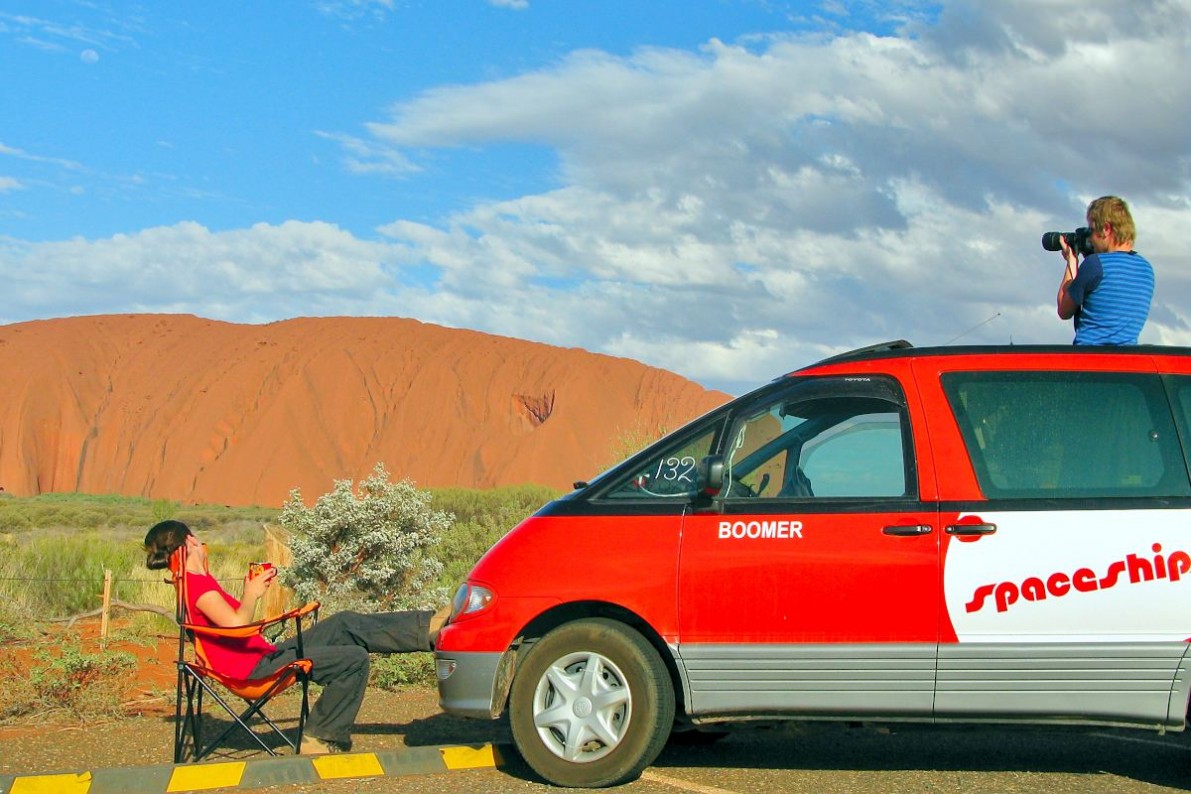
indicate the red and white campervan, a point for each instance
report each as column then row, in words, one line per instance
column 948, row 534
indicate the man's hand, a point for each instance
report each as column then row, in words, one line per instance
column 1066, row 307
column 1070, row 257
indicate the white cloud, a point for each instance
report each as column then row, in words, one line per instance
column 257, row 274
column 7, row 183
column 54, row 36
column 368, row 157
column 355, row 9
column 21, row 154
column 756, row 207
column 734, row 212
column 516, row 5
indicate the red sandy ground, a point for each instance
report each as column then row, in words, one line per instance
column 48, row 744
column 155, row 675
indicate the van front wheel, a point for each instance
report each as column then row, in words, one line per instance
column 591, row 704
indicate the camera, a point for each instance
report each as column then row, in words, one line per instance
column 1079, row 241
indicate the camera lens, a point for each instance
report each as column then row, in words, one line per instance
column 1051, row 241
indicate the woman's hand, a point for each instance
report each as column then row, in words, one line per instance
column 255, row 587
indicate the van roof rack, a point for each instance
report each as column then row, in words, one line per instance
column 864, row 352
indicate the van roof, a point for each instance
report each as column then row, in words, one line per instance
column 900, row 348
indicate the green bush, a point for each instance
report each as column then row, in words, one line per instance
column 85, row 685
column 15, row 625
column 402, row 670
column 133, row 515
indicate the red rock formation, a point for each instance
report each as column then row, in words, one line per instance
column 194, row 410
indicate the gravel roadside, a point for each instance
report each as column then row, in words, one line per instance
column 388, row 720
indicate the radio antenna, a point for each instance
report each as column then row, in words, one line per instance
column 973, row 328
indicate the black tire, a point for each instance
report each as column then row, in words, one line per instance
column 607, row 738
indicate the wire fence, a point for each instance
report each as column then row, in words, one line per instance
column 276, row 601
column 93, row 579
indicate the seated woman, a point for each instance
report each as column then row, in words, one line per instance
column 338, row 646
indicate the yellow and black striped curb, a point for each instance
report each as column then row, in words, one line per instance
column 258, row 773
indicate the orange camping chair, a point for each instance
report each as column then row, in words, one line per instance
column 196, row 678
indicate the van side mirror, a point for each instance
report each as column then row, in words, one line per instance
column 710, row 475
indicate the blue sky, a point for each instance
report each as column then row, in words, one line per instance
column 727, row 189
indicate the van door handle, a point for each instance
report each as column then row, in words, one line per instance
column 908, row 530
column 970, row 530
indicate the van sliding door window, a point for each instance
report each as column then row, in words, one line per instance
column 1068, row 434
column 824, row 438
column 1179, row 388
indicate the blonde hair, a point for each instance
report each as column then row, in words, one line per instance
column 1112, row 211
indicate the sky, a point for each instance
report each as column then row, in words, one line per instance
column 727, row 189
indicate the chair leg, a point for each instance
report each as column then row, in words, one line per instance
column 200, row 688
column 179, row 732
column 188, row 727
column 237, row 720
column 256, row 709
column 303, row 713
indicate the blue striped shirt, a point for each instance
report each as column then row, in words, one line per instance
column 1113, row 292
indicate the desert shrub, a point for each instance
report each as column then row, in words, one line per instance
column 13, row 520
column 74, row 511
column 163, row 509
column 370, row 551
column 17, row 696
column 468, row 504
column 15, row 625
column 85, row 685
column 402, row 670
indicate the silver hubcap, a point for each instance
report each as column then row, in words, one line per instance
column 582, row 707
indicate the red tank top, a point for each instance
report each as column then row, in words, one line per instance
column 232, row 656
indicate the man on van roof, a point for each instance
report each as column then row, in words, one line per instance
column 1109, row 293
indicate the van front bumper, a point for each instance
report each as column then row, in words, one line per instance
column 467, row 684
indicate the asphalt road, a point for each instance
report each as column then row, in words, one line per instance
column 791, row 757
column 822, row 757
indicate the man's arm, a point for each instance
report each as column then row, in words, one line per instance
column 1066, row 306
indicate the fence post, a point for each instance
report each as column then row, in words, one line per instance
column 277, row 597
column 107, row 604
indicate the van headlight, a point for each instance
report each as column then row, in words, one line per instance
column 470, row 599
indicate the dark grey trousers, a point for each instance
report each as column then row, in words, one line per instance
column 339, row 647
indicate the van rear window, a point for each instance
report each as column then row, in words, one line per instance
column 1068, row 434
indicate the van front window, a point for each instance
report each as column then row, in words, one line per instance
column 668, row 473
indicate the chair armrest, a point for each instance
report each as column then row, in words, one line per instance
column 301, row 611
